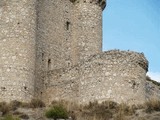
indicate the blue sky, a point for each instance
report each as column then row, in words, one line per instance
column 134, row 25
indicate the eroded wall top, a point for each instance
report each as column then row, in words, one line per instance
column 101, row 3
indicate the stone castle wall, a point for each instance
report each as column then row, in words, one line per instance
column 53, row 33
column 66, row 34
column 53, row 37
column 87, row 29
column 152, row 90
column 114, row 75
column 17, row 49
column 52, row 49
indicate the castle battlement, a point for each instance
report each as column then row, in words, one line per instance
column 101, row 3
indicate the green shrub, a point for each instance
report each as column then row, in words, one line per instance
column 10, row 117
column 36, row 103
column 56, row 112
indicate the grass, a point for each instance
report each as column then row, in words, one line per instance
column 107, row 110
column 92, row 111
column 152, row 105
column 57, row 112
column 9, row 110
column 4, row 108
column 36, row 103
column 10, row 117
column 14, row 104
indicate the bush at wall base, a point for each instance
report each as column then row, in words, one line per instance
column 57, row 112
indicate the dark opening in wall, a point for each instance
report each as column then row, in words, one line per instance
column 68, row 25
column 3, row 88
column 49, row 64
column 25, row 87
column 42, row 56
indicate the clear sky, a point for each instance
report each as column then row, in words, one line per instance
column 134, row 25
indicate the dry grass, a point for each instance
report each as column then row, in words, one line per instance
column 4, row 108
column 36, row 103
column 9, row 110
column 152, row 105
column 13, row 105
column 101, row 111
column 123, row 111
column 93, row 111
column 97, row 111
column 10, row 117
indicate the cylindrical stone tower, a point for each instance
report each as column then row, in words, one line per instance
column 53, row 38
column 87, row 28
column 17, row 49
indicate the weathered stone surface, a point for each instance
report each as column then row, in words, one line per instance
column 52, row 49
column 114, row 75
column 17, row 49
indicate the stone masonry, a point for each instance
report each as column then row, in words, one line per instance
column 52, row 50
column 17, row 49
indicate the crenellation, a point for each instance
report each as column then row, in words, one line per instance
column 101, row 3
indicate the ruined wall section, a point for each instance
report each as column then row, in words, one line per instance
column 53, row 37
column 17, row 49
column 152, row 90
column 62, row 84
column 113, row 75
column 87, row 28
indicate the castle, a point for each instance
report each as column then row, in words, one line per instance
column 52, row 49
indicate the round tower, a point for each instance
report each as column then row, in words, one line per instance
column 53, row 38
column 17, row 49
column 87, row 28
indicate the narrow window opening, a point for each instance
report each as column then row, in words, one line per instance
column 42, row 56
column 25, row 87
column 68, row 25
column 49, row 64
